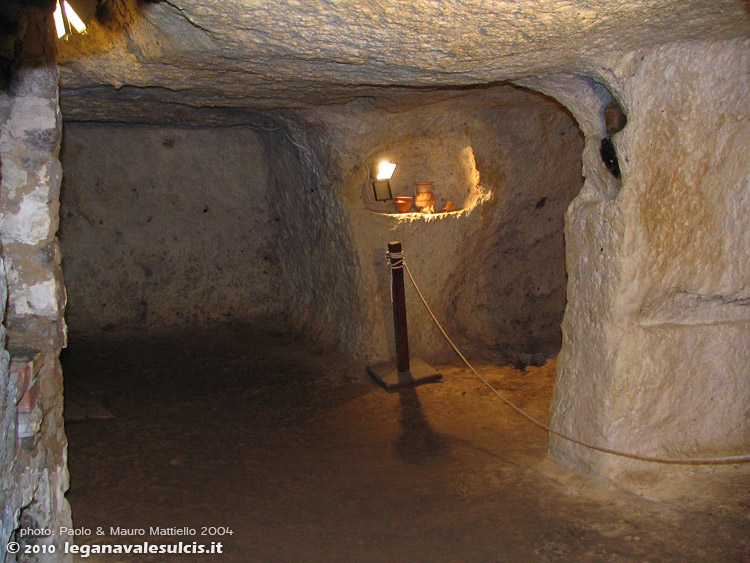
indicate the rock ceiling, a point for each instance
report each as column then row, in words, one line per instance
column 141, row 60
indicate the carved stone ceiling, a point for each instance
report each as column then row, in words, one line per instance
column 147, row 61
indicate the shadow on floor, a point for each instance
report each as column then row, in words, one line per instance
column 418, row 442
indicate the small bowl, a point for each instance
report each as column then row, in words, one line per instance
column 403, row 203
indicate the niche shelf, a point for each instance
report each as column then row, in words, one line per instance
column 445, row 160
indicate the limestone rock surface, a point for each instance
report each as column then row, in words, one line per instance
column 176, row 230
column 654, row 348
column 156, row 58
column 655, row 353
column 493, row 271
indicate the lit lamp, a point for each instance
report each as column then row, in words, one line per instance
column 66, row 18
column 382, row 182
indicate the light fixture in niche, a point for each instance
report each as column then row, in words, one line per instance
column 385, row 170
column 382, row 182
column 446, row 159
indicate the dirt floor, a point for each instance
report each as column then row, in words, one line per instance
column 303, row 458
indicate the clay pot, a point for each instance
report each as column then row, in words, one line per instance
column 614, row 118
column 403, row 203
column 424, row 199
column 425, row 194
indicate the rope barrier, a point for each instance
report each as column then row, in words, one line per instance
column 395, row 260
column 700, row 460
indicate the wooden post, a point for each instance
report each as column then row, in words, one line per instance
column 399, row 308
column 406, row 373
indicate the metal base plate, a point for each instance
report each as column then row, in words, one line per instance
column 387, row 376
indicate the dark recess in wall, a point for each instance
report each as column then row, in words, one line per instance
column 609, row 157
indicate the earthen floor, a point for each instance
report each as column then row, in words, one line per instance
column 303, row 458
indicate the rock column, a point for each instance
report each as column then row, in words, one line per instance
column 33, row 472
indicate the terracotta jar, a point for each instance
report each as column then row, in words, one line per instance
column 425, row 194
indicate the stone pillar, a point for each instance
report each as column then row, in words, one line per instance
column 656, row 335
column 33, row 470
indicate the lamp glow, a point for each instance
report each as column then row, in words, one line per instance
column 59, row 25
column 72, row 18
column 385, row 171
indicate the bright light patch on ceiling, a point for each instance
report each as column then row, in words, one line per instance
column 72, row 18
column 386, row 170
column 59, row 25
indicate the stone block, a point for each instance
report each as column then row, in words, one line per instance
column 32, row 115
column 29, row 223
column 29, row 400
column 36, row 82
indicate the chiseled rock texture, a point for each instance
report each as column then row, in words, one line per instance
column 176, row 229
column 186, row 226
column 656, row 343
column 493, row 270
column 655, row 335
column 654, row 347
column 162, row 56
column 33, row 471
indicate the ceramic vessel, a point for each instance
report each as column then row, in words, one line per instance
column 403, row 203
column 425, row 194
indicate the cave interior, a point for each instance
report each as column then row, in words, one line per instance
column 194, row 257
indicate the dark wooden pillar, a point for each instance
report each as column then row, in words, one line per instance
column 406, row 373
column 399, row 306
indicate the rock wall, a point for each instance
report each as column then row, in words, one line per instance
column 167, row 227
column 493, row 271
column 33, row 472
column 313, row 239
column 656, row 346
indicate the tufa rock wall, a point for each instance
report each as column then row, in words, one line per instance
column 167, row 226
column 493, row 271
column 313, row 238
column 33, row 471
column 655, row 348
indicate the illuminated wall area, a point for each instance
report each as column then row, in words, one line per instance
column 206, row 229
column 510, row 162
